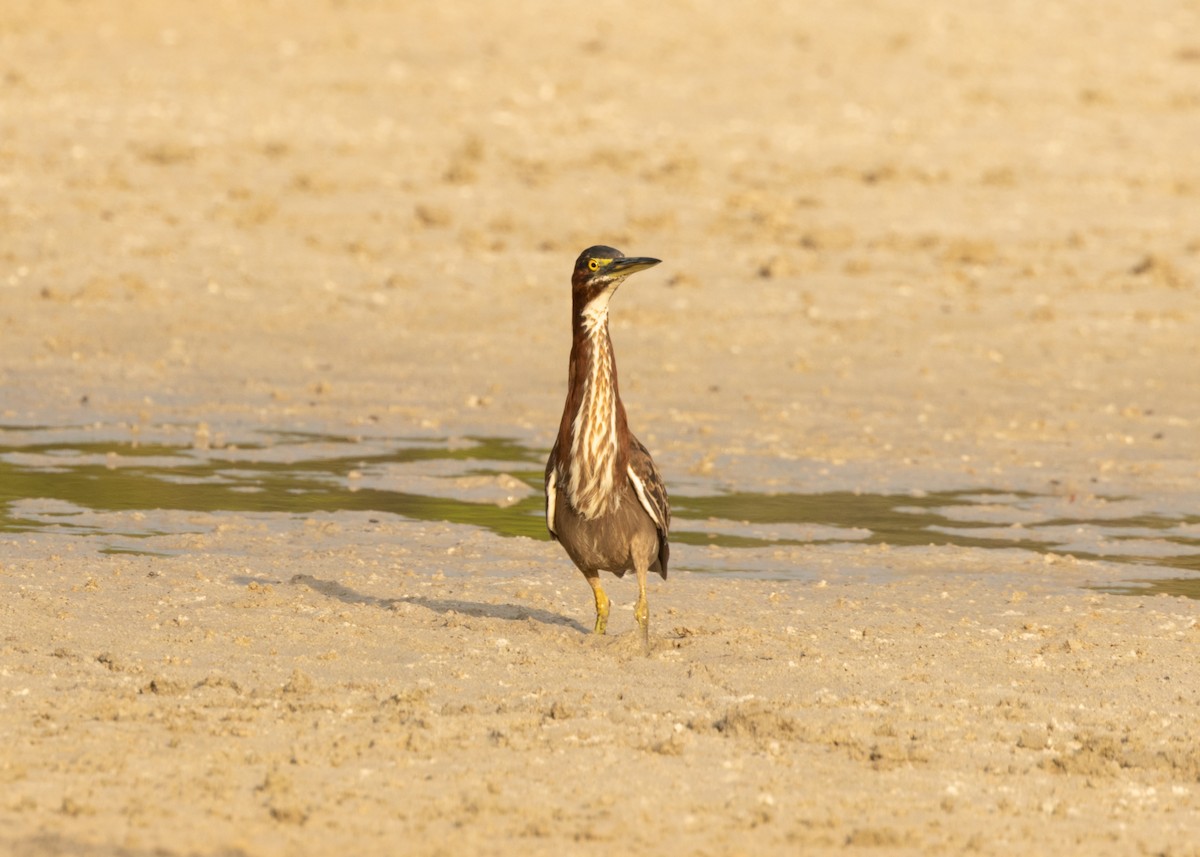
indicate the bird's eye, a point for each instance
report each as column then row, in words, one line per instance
column 593, row 265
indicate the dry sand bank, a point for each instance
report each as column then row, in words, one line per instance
column 907, row 246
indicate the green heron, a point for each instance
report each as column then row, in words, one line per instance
column 605, row 500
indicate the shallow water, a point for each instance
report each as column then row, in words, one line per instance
column 59, row 479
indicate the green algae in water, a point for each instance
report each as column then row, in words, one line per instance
column 108, row 476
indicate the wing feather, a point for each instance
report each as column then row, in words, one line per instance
column 652, row 494
column 551, row 490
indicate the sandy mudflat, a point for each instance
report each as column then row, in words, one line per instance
column 908, row 247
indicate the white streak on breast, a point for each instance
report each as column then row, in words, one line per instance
column 591, row 478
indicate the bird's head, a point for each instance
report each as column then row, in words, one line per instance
column 599, row 270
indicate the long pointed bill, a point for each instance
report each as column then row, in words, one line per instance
column 627, row 266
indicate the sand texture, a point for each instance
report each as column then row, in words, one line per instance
column 911, row 249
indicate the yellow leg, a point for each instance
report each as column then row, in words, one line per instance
column 601, row 604
column 641, row 610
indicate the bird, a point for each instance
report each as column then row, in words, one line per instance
column 606, row 503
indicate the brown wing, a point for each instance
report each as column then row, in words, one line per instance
column 652, row 493
column 551, row 485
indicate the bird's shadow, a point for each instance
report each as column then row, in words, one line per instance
column 510, row 612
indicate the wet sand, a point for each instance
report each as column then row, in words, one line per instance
column 906, row 249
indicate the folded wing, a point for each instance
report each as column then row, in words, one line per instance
column 652, row 494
